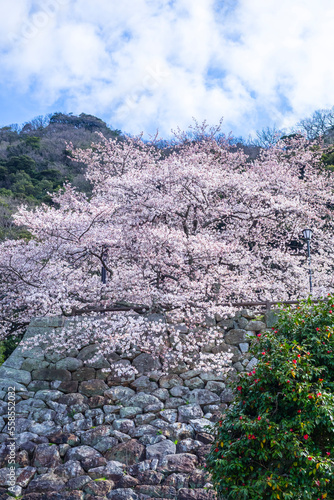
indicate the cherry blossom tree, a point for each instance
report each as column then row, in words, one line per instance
column 185, row 229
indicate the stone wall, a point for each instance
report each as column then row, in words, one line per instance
column 84, row 434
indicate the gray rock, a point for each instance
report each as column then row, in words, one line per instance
column 188, row 446
column 122, row 494
column 169, row 381
column 244, row 346
column 50, row 374
column 196, row 494
column 150, row 477
column 242, row 323
column 232, row 349
column 106, row 444
column 143, row 430
column 25, row 476
column 93, row 387
column 226, row 324
column 81, row 453
column 20, row 376
column 72, row 399
column 253, row 362
column 87, row 352
column 227, row 396
column 144, row 384
column 38, row 385
column 30, row 364
column 180, row 391
column 24, row 437
column 130, row 412
column 247, row 313
column 189, row 412
column 129, row 453
column 203, row 397
column 162, row 394
column 112, row 471
column 123, row 425
column 154, row 407
column 271, row 317
column 235, row 336
column 144, row 419
column 201, row 424
column 173, row 403
column 182, row 462
column 45, row 482
column 93, row 436
column 70, row 364
column 215, row 386
column 98, row 489
column 177, row 481
column 148, row 439
column 43, row 415
column 238, row 366
column 84, row 373
column 119, row 394
column 161, row 449
column 145, row 363
column 44, row 428
column 194, row 383
column 190, row 374
column 110, row 409
column 169, row 415
column 256, row 326
column 142, row 400
column 120, row 436
column 70, row 469
column 76, row 483
column 48, row 395
column 179, row 431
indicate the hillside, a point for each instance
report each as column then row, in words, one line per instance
column 34, row 161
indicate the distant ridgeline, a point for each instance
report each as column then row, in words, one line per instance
column 86, row 434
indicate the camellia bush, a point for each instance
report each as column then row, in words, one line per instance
column 277, row 439
column 187, row 228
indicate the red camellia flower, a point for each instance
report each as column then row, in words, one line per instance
column 327, row 453
column 306, row 436
column 294, row 361
column 259, row 418
column 310, row 458
column 259, row 334
column 288, row 381
column 240, row 418
column 298, row 356
column 310, row 396
column 239, row 388
column 321, row 379
column 299, row 411
column 319, row 394
column 217, row 449
column 317, row 329
column 330, row 312
column 291, row 430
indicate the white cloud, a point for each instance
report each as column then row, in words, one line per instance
column 147, row 64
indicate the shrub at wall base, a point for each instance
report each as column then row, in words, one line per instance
column 277, row 440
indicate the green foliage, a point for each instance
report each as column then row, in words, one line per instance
column 328, row 159
column 33, row 142
column 277, row 439
column 9, row 345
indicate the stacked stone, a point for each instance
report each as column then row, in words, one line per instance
column 84, row 434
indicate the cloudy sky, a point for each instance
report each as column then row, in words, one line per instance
column 147, row 64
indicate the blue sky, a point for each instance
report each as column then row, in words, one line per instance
column 143, row 65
